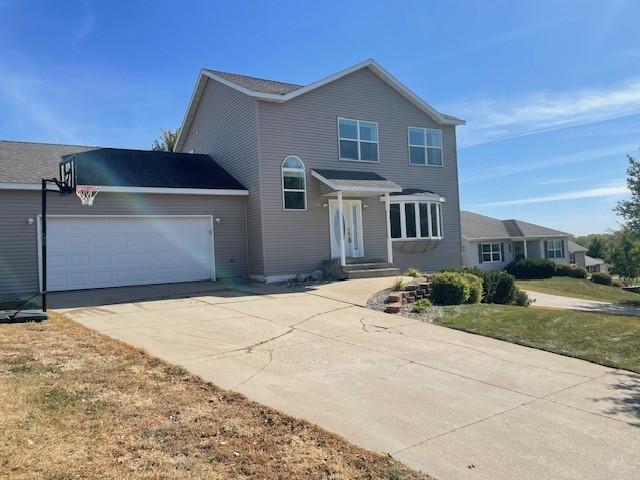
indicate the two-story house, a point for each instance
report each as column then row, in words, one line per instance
column 352, row 166
column 268, row 180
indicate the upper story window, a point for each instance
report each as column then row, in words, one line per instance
column 555, row 248
column 358, row 140
column 415, row 220
column 425, row 146
column 294, row 184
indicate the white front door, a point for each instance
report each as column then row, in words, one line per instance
column 352, row 221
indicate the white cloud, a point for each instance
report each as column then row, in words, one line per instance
column 492, row 119
column 615, row 190
column 551, row 163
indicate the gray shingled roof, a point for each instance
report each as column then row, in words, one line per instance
column 257, row 84
column 592, row 262
column 28, row 162
column 353, row 178
column 574, row 247
column 480, row 226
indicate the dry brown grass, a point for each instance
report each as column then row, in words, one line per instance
column 76, row 404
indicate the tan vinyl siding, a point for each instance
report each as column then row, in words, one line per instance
column 19, row 240
column 297, row 241
column 225, row 127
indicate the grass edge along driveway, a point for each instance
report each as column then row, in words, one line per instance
column 77, row 404
column 580, row 288
column 610, row 340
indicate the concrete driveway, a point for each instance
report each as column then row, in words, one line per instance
column 452, row 404
column 568, row 303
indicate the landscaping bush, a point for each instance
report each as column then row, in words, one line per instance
column 499, row 287
column 617, row 283
column 332, row 270
column 413, row 272
column 602, row 278
column 522, row 299
column 578, row 272
column 449, row 288
column 563, row 270
column 420, row 306
column 475, row 287
column 531, row 268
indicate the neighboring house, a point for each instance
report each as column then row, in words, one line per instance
column 579, row 258
column 491, row 244
column 269, row 179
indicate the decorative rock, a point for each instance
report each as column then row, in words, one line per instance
column 317, row 275
column 395, row 298
column 393, row 308
column 301, row 277
column 410, row 288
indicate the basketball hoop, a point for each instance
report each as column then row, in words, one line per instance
column 86, row 193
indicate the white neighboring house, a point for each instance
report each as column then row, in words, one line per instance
column 579, row 258
column 491, row 244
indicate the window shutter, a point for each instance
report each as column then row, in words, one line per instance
column 480, row 252
column 562, row 243
column 502, row 251
column 546, row 250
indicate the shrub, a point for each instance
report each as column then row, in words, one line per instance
column 578, row 272
column 449, row 288
column 563, row 270
column 332, row 270
column 499, row 287
column 531, row 268
column 602, row 278
column 413, row 272
column 522, row 299
column 617, row 283
column 475, row 287
column 398, row 285
column 421, row 305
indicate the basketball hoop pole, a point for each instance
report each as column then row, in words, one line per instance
column 62, row 188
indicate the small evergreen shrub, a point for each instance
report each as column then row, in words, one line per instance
column 617, row 283
column 499, row 287
column 475, row 287
column 602, row 278
column 563, row 270
column 578, row 272
column 531, row 268
column 420, row 306
column 449, row 288
column 413, row 272
column 332, row 270
column 522, row 299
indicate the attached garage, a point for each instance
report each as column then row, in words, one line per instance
column 103, row 251
column 160, row 217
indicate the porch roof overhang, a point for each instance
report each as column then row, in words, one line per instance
column 415, row 195
column 357, row 183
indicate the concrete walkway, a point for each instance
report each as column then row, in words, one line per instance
column 569, row 303
column 455, row 405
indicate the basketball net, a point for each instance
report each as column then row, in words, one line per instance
column 86, row 193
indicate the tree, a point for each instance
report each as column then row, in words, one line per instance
column 624, row 253
column 630, row 209
column 167, row 140
column 597, row 244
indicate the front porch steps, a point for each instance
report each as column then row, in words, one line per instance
column 369, row 268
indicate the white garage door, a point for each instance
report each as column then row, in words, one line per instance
column 98, row 252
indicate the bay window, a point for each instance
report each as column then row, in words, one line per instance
column 415, row 220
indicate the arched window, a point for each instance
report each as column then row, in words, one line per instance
column 294, row 184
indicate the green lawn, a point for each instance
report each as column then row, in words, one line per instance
column 611, row 340
column 580, row 288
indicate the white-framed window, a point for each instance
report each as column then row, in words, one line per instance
column 555, row 249
column 357, row 140
column 490, row 252
column 294, row 184
column 425, row 146
column 415, row 220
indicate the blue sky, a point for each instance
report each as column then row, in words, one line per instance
column 550, row 90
